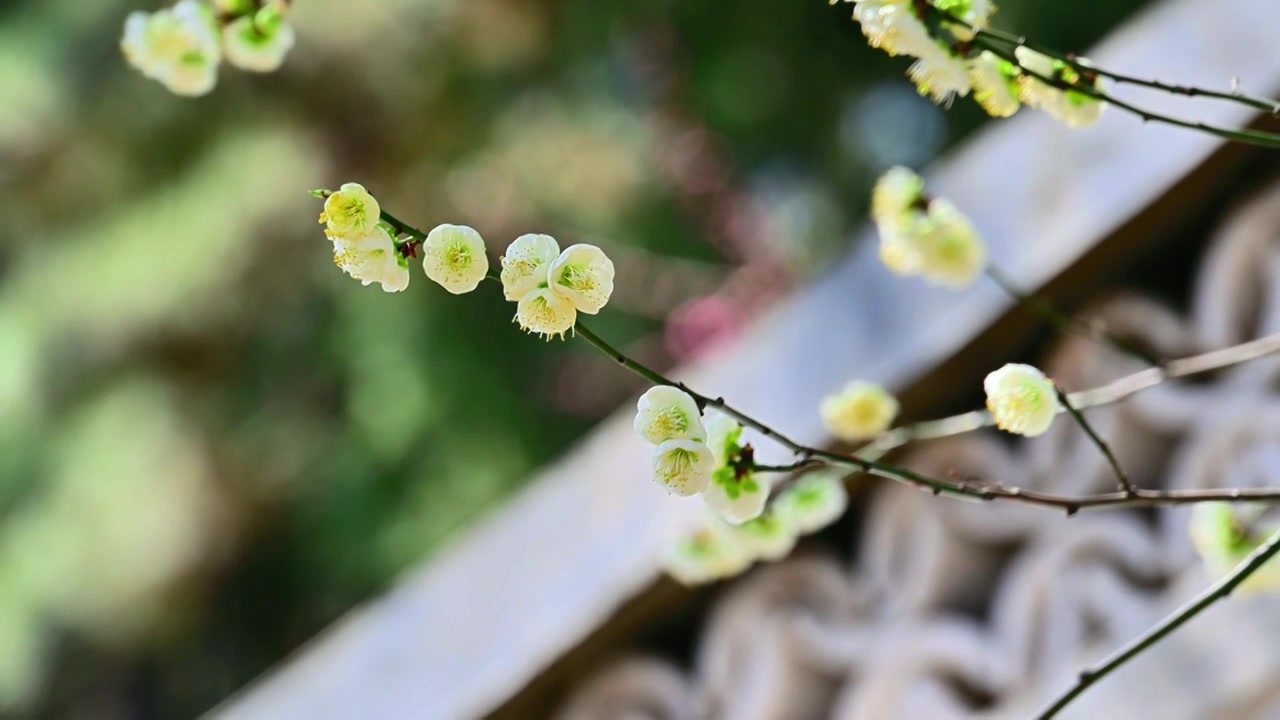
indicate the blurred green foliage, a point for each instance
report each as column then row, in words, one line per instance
column 212, row 443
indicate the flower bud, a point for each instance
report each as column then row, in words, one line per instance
column 1021, row 399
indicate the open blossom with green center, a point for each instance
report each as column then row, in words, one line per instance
column 259, row 42
column 939, row 74
column 668, row 413
column 1074, row 108
column 951, row 252
column 683, row 467
column 350, row 212
column 995, row 84
column 372, row 258
column 738, row 496
column 178, row 47
column 737, row 499
column 547, row 313
column 533, row 268
column 526, row 266
column 894, row 26
column 711, row 553
column 812, row 502
column 1224, row 534
column 860, row 411
column 584, row 274
column 1021, row 399
column 767, row 537
column 454, row 257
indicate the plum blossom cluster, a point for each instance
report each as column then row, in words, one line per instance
column 182, row 47
column 943, row 37
column 700, row 455
column 924, row 236
column 549, row 287
column 718, row 549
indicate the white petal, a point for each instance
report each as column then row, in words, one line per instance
column 683, row 467
column 860, row 411
column 584, row 274
column 545, row 313
column 741, row 508
column 812, row 502
column 526, row 265
column 668, row 413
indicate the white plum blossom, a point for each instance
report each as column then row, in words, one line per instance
column 860, row 411
column 711, row 553
column 812, row 502
column 544, row 312
column 584, row 274
column 454, row 257
column 668, row 413
column 940, row 74
column 1074, row 108
column 683, row 467
column 724, row 436
column 995, row 84
column 767, row 537
column 736, row 499
column 350, row 212
column 951, row 252
column 526, row 266
column 256, row 43
column 893, row 26
column 1021, row 399
column 372, row 258
column 178, row 47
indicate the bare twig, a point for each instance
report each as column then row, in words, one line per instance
column 1199, row 604
column 1121, row 478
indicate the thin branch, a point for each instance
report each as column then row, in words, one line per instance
column 1104, row 395
column 973, row 489
column 1121, row 478
column 1064, row 323
column 1214, row 593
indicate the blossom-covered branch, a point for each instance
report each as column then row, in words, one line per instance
column 957, row 53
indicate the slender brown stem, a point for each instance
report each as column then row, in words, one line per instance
column 1121, row 478
column 789, row 467
column 1197, row 605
